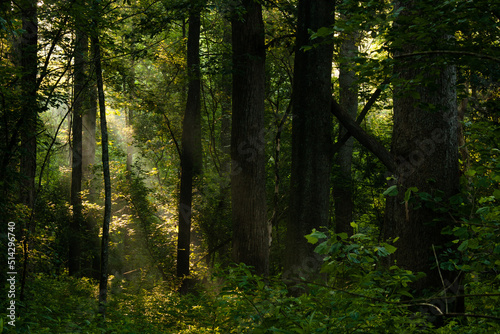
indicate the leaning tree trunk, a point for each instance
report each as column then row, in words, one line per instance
column 248, row 184
column 425, row 147
column 191, row 159
column 311, row 137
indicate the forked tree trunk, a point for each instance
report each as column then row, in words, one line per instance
column 248, row 184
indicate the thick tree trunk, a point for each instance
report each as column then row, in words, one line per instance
column 28, row 125
column 342, row 184
column 191, row 159
column 311, row 138
column 29, row 111
column 248, row 186
column 425, row 146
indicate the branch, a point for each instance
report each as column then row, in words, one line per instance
column 275, row 40
column 172, row 134
column 362, row 137
column 361, row 116
column 59, row 34
column 451, row 52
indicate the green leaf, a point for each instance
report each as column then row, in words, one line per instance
column 311, row 239
column 315, row 236
column 405, row 293
column 390, row 249
column 473, row 244
column 496, row 193
column 322, row 248
column 343, row 236
column 391, row 191
column 408, row 193
column 381, row 251
column 470, row 172
column 425, row 196
column 483, row 211
column 463, row 246
column 322, row 32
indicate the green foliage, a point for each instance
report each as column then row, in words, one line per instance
column 360, row 260
column 55, row 305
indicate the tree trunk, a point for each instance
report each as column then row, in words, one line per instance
column 76, row 224
column 103, row 281
column 89, row 121
column 91, row 239
column 342, row 184
column 221, row 232
column 248, row 184
column 311, row 137
column 425, row 146
column 191, row 160
column 29, row 119
column 29, row 111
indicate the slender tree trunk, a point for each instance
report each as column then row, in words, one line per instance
column 76, row 224
column 191, row 146
column 425, row 146
column 248, row 186
column 103, row 281
column 92, row 248
column 342, row 184
column 89, row 121
column 311, row 138
column 220, row 233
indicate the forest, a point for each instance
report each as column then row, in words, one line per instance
column 249, row 166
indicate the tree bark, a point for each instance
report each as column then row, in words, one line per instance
column 425, row 146
column 248, row 185
column 342, row 185
column 311, row 137
column 91, row 239
column 29, row 66
column 89, row 122
column 191, row 163
column 76, row 224
column 103, row 280
column 29, row 121
column 91, row 249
